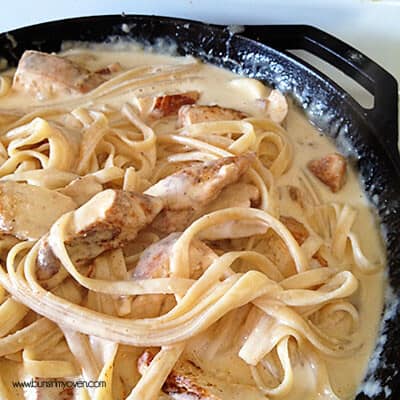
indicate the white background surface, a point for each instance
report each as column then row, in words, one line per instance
column 372, row 26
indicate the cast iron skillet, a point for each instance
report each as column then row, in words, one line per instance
column 367, row 136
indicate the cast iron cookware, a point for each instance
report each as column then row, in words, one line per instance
column 367, row 136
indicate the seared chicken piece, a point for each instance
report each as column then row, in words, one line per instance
column 163, row 106
column 189, row 115
column 43, row 74
column 6, row 243
column 173, row 221
column 296, row 228
column 275, row 106
column 154, row 262
column 235, row 195
column 279, row 253
column 82, row 189
column 107, row 221
column 321, row 260
column 234, row 229
column 47, row 264
column 28, row 211
column 298, row 196
column 331, row 170
column 300, row 234
column 109, row 69
column 178, row 385
column 189, row 190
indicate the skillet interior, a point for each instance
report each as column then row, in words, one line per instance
column 367, row 137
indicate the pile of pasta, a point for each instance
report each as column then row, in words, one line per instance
column 89, row 323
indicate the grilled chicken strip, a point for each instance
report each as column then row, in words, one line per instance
column 301, row 234
column 107, row 221
column 82, row 189
column 189, row 190
column 163, row 106
column 6, row 243
column 235, row 195
column 296, row 228
column 28, row 211
column 154, row 263
column 330, row 170
column 45, row 74
column 112, row 217
column 275, row 106
column 193, row 114
column 278, row 252
column 178, row 385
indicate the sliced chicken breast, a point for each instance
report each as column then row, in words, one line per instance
column 44, row 74
column 154, row 262
column 165, row 105
column 28, row 211
column 193, row 114
column 330, row 170
column 192, row 188
column 178, row 385
column 107, row 221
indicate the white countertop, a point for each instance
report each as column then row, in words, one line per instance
column 372, row 26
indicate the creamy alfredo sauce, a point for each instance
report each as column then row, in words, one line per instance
column 216, row 87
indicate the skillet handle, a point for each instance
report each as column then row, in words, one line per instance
column 383, row 117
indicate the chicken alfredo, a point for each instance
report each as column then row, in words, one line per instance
column 172, row 230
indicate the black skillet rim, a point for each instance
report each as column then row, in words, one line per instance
column 354, row 130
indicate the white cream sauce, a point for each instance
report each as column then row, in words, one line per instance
column 216, row 87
